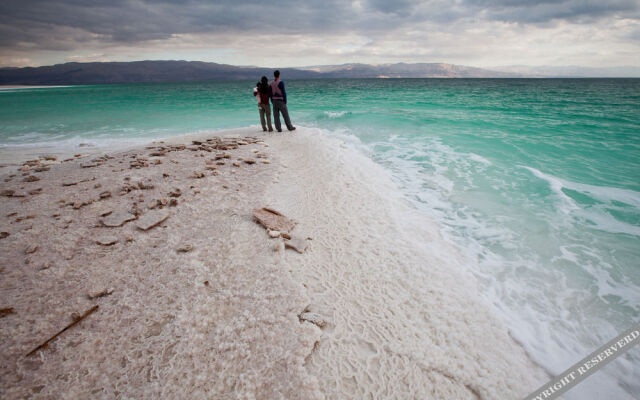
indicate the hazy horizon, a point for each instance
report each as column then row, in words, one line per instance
column 500, row 67
column 523, row 69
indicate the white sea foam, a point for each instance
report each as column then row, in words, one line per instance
column 336, row 114
column 546, row 296
column 602, row 193
column 479, row 159
column 406, row 318
column 599, row 216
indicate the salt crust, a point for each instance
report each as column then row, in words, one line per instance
column 162, row 333
column 404, row 319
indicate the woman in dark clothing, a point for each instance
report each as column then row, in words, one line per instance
column 263, row 95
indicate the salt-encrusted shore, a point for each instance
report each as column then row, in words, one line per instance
column 14, row 87
column 205, row 304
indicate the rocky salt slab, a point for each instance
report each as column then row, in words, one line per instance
column 106, row 240
column 273, row 234
column 151, row 219
column 297, row 243
column 99, row 292
column 314, row 318
column 162, row 323
column 273, row 220
column 185, row 248
column 117, row 219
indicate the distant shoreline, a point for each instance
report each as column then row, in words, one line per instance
column 531, row 78
column 184, row 71
column 10, row 87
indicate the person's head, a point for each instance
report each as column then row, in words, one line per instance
column 265, row 81
column 276, row 74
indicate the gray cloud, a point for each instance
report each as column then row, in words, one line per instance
column 140, row 20
column 548, row 10
column 55, row 24
column 341, row 29
column 399, row 7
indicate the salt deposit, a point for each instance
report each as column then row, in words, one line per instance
column 201, row 306
column 406, row 318
column 194, row 307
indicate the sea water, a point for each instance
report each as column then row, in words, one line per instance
column 537, row 181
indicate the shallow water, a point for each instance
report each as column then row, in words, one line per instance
column 537, row 181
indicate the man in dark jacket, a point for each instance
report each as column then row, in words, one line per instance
column 279, row 101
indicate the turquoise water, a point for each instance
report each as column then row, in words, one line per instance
column 537, row 181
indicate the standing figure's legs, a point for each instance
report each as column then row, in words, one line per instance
column 276, row 115
column 261, row 108
column 285, row 114
column 267, row 109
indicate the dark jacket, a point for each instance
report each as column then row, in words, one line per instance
column 265, row 94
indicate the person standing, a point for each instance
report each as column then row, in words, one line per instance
column 262, row 93
column 279, row 100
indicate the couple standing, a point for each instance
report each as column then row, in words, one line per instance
column 274, row 91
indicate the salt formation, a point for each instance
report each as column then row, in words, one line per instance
column 314, row 318
column 151, row 219
column 202, row 307
column 106, row 240
column 273, row 220
column 392, row 313
column 118, row 219
column 296, row 243
column 407, row 321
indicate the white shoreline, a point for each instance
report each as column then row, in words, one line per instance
column 13, row 155
column 407, row 320
column 12, row 87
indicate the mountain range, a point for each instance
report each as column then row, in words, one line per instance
column 185, row 71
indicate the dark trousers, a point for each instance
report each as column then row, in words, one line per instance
column 279, row 106
column 265, row 109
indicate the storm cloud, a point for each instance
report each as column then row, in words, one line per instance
column 584, row 11
column 40, row 29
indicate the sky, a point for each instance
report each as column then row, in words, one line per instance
column 279, row 33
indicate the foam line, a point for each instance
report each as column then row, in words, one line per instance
column 406, row 319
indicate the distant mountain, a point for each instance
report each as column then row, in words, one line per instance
column 572, row 71
column 186, row 71
column 182, row 71
column 138, row 71
column 403, row 70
